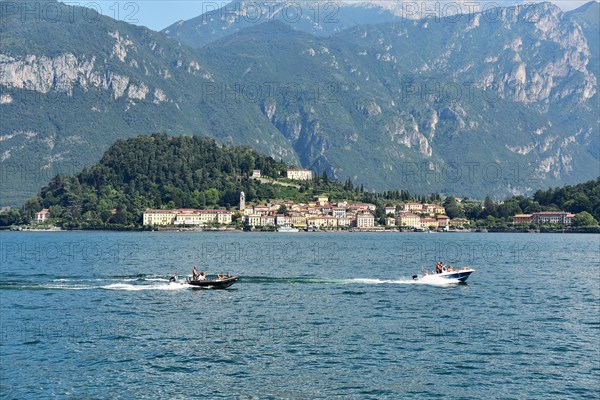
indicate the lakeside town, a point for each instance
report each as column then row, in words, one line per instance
column 321, row 214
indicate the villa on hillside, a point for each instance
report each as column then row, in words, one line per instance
column 42, row 216
column 300, row 174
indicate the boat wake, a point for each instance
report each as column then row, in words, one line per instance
column 161, row 283
column 125, row 283
column 350, row 281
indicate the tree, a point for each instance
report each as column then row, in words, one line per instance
column 283, row 210
column 120, row 217
column 452, row 208
column 584, row 218
column 55, row 211
column 212, row 196
column 489, row 207
column 10, row 217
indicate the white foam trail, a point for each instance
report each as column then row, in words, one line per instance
column 431, row 280
column 71, row 287
column 128, row 287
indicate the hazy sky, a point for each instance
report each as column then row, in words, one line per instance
column 158, row 14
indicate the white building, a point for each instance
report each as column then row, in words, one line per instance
column 365, row 221
column 282, row 220
column 42, row 216
column 300, row 174
column 190, row 217
column 338, row 212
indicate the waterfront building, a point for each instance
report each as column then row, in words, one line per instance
column 322, row 221
column 443, row 221
column 459, row 222
column 523, row 219
column 344, row 221
column 159, row 217
column 545, row 217
column 190, row 217
column 298, row 220
column 409, row 220
column 267, row 220
column 365, row 221
column 429, row 223
column 283, row 220
column 252, row 220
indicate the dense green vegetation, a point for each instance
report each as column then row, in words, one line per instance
column 582, row 199
column 159, row 171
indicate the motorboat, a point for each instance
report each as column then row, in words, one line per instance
column 453, row 275
column 212, row 283
column 287, row 229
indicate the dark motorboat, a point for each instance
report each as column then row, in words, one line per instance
column 217, row 283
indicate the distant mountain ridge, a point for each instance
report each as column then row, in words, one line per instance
column 387, row 103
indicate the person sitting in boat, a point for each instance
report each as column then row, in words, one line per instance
column 439, row 268
column 202, row 276
column 195, row 273
column 450, row 268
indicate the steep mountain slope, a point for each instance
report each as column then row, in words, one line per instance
column 399, row 102
column 466, row 105
column 74, row 82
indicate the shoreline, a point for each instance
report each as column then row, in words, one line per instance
column 590, row 230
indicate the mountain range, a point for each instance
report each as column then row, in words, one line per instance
column 501, row 101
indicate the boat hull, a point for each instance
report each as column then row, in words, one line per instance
column 213, row 283
column 461, row 276
column 451, row 276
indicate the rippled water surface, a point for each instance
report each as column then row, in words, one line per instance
column 92, row 315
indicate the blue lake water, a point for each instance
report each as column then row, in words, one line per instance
column 92, row 315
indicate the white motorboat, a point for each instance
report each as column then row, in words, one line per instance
column 454, row 275
column 287, row 229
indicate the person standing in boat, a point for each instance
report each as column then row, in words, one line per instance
column 439, row 268
column 195, row 273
